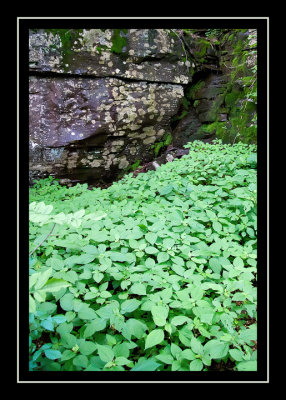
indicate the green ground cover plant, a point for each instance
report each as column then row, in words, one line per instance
column 156, row 272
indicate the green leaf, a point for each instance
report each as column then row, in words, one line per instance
column 160, row 314
column 121, row 361
column 151, row 237
column 153, row 338
column 138, row 288
column 215, row 265
column 68, row 340
column 150, row 263
column 136, row 327
column 52, row 354
column 67, row 355
column 105, row 353
column 238, row 263
column 54, row 285
column 165, row 358
column 80, row 361
column 43, row 277
column 66, row 302
column 166, row 190
column 162, row 257
column 196, row 365
column 175, row 350
column 146, row 365
column 87, row 313
column 98, row 276
column 179, row 320
column 197, row 293
column 217, row 226
column 130, row 305
column 236, row 354
column 121, row 350
column 32, row 305
column 86, row 348
column 187, row 354
column 151, row 250
column 168, row 243
column 247, row 366
column 94, row 326
column 216, row 349
column 196, row 346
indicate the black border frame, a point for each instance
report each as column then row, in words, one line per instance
column 26, row 376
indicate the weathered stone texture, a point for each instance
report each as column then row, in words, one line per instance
column 99, row 120
column 149, row 55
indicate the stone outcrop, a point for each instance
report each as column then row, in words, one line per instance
column 98, row 104
column 101, row 101
column 216, row 95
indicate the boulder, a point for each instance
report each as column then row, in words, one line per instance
column 97, row 104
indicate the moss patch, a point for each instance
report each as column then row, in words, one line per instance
column 118, row 42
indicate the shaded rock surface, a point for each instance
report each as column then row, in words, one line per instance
column 101, row 101
column 94, row 112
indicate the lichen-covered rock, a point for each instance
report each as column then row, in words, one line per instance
column 89, row 123
column 99, row 99
column 140, row 54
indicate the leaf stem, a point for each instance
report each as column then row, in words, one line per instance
column 42, row 240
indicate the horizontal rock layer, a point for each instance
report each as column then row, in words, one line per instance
column 100, row 100
column 148, row 55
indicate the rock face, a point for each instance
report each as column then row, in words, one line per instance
column 100, row 100
column 105, row 101
column 220, row 87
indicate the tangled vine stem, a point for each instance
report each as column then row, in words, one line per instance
column 43, row 240
column 182, row 41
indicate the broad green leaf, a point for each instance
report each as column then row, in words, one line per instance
column 32, row 305
column 196, row 365
column 80, row 361
column 179, row 320
column 216, row 349
column 136, row 327
column 67, row 302
column 130, row 305
column 236, row 354
column 98, row 276
column 121, row 361
column 196, row 346
column 153, row 338
column 151, row 250
column 43, row 278
column 160, row 314
column 121, row 350
column 68, row 340
column 52, row 354
column 105, row 353
column 175, row 350
column 247, row 366
column 146, row 365
column 94, row 326
column 166, row 190
column 87, row 347
column 197, row 293
column 187, row 354
column 67, row 355
column 165, row 358
column 87, row 313
column 151, row 237
column 138, row 288
column 162, row 257
column 54, row 285
column 168, row 243
column 238, row 263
